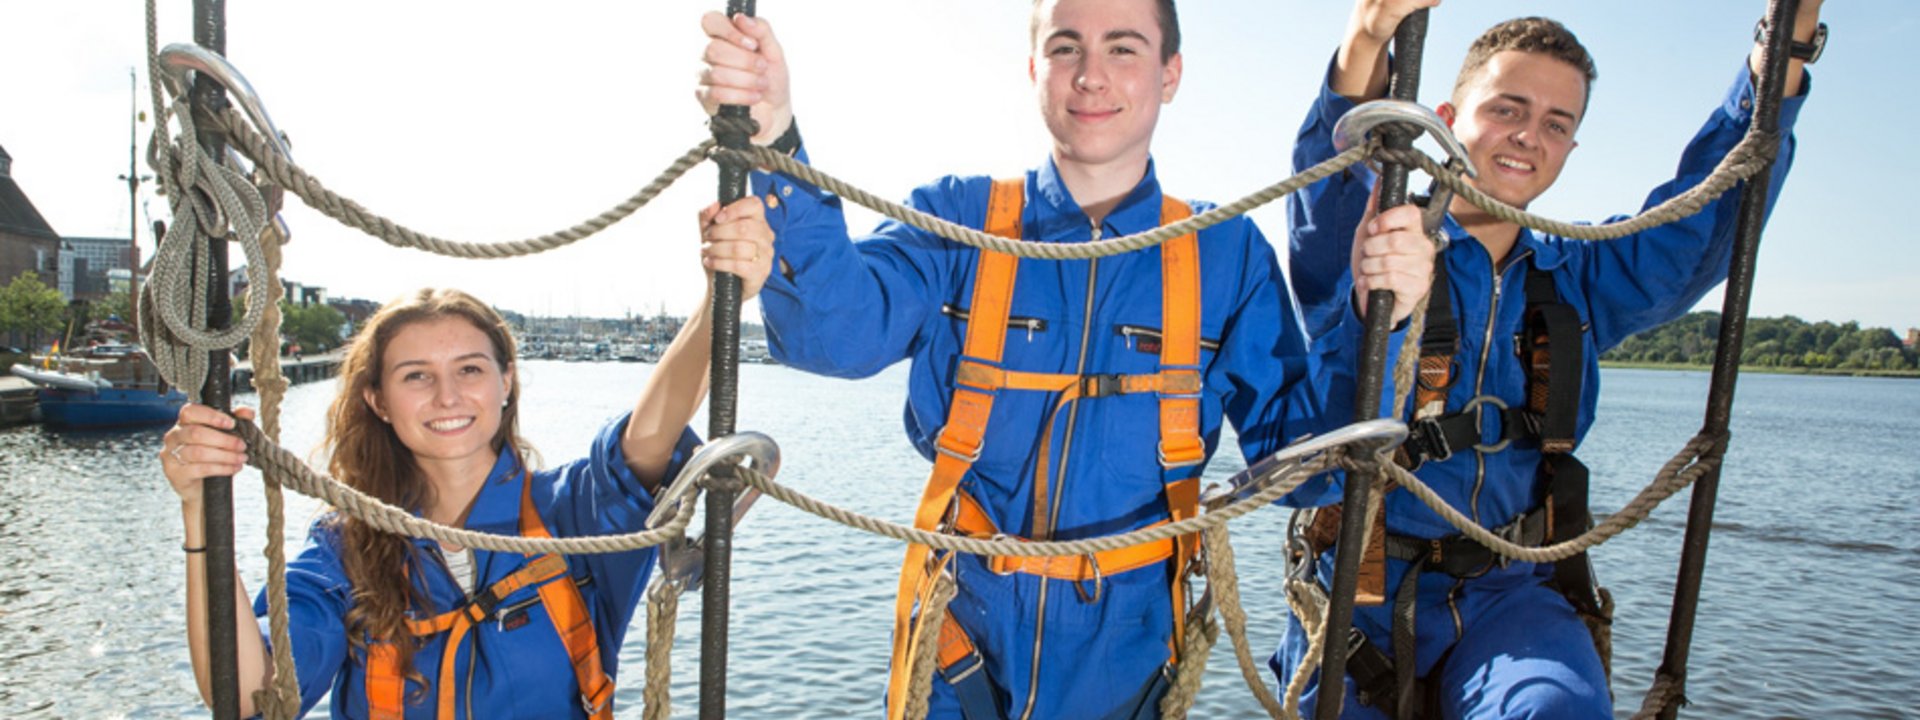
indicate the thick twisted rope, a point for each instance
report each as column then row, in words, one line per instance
column 1196, row 645
column 1665, row 691
column 933, row 614
column 663, row 610
column 284, row 468
column 1700, row 456
column 1036, row 548
column 1753, row 154
column 285, row 173
column 769, row 158
column 1223, row 583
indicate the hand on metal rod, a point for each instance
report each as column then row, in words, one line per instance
column 1391, row 252
column 745, row 66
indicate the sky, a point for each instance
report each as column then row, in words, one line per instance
column 488, row 121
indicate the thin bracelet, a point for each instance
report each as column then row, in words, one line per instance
column 191, row 550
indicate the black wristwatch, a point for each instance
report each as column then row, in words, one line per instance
column 1807, row 52
column 789, row 141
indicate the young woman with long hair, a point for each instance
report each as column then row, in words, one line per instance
column 427, row 418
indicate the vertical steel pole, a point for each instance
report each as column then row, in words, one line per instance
column 208, row 98
column 1409, row 45
column 1726, row 360
column 714, row 595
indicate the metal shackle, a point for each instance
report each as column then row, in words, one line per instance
column 1373, row 435
column 1352, row 129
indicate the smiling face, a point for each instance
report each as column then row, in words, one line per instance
column 1098, row 72
column 1517, row 120
column 442, row 388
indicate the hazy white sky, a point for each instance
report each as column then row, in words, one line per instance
column 488, row 121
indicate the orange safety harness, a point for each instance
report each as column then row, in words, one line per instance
column 386, row 688
column 979, row 378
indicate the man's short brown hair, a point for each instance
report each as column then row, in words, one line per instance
column 1528, row 34
column 1163, row 10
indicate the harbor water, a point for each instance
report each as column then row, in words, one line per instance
column 1812, row 582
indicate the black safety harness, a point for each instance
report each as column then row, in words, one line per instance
column 1551, row 346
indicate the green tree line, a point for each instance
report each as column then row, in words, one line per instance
column 1782, row 342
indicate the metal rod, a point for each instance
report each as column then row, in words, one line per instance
column 1726, row 359
column 207, row 99
column 1409, row 44
column 716, row 592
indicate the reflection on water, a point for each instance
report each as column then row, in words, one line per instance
column 1815, row 560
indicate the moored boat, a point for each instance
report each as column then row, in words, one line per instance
column 115, row 389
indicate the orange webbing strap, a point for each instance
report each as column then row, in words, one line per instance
column 959, row 442
column 386, row 689
column 971, row 520
column 954, row 643
column 568, row 611
column 1180, row 443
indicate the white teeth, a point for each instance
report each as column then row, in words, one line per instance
column 450, row 424
column 1511, row 163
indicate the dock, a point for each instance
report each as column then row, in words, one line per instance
column 19, row 401
column 304, row 369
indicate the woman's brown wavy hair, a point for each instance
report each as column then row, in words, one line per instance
column 368, row 456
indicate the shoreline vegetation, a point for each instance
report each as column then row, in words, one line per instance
column 1784, row 345
column 1763, row 369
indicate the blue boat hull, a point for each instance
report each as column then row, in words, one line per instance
column 108, row 408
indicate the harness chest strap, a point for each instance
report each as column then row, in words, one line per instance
column 386, row 688
column 978, row 378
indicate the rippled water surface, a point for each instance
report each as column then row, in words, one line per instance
column 1812, row 591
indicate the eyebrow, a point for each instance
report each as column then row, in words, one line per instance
column 1111, row 35
column 1510, row 97
column 462, row 358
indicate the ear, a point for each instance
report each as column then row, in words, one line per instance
column 506, row 381
column 1032, row 76
column 1170, row 78
column 1446, row 112
column 372, row 398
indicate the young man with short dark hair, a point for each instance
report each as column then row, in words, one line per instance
column 1058, row 400
column 1510, row 365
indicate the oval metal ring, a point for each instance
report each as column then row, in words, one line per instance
column 1249, row 482
column 761, row 449
column 1479, row 423
column 1353, row 128
column 178, row 59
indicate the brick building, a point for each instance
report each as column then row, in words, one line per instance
column 26, row 241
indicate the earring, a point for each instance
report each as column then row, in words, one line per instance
column 505, row 402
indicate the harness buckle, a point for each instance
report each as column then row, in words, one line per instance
column 1479, row 422
column 940, row 445
column 1426, row 440
column 1099, row 385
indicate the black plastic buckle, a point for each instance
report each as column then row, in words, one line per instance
column 1093, row 386
column 1426, row 440
column 481, row 605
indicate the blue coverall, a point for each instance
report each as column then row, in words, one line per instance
column 517, row 669
column 848, row 309
column 1513, row 646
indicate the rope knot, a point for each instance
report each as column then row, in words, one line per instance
column 723, row 126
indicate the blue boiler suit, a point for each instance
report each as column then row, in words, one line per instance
column 514, row 667
column 1513, row 646
column 850, row 309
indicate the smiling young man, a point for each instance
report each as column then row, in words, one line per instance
column 1057, row 400
column 1509, row 369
